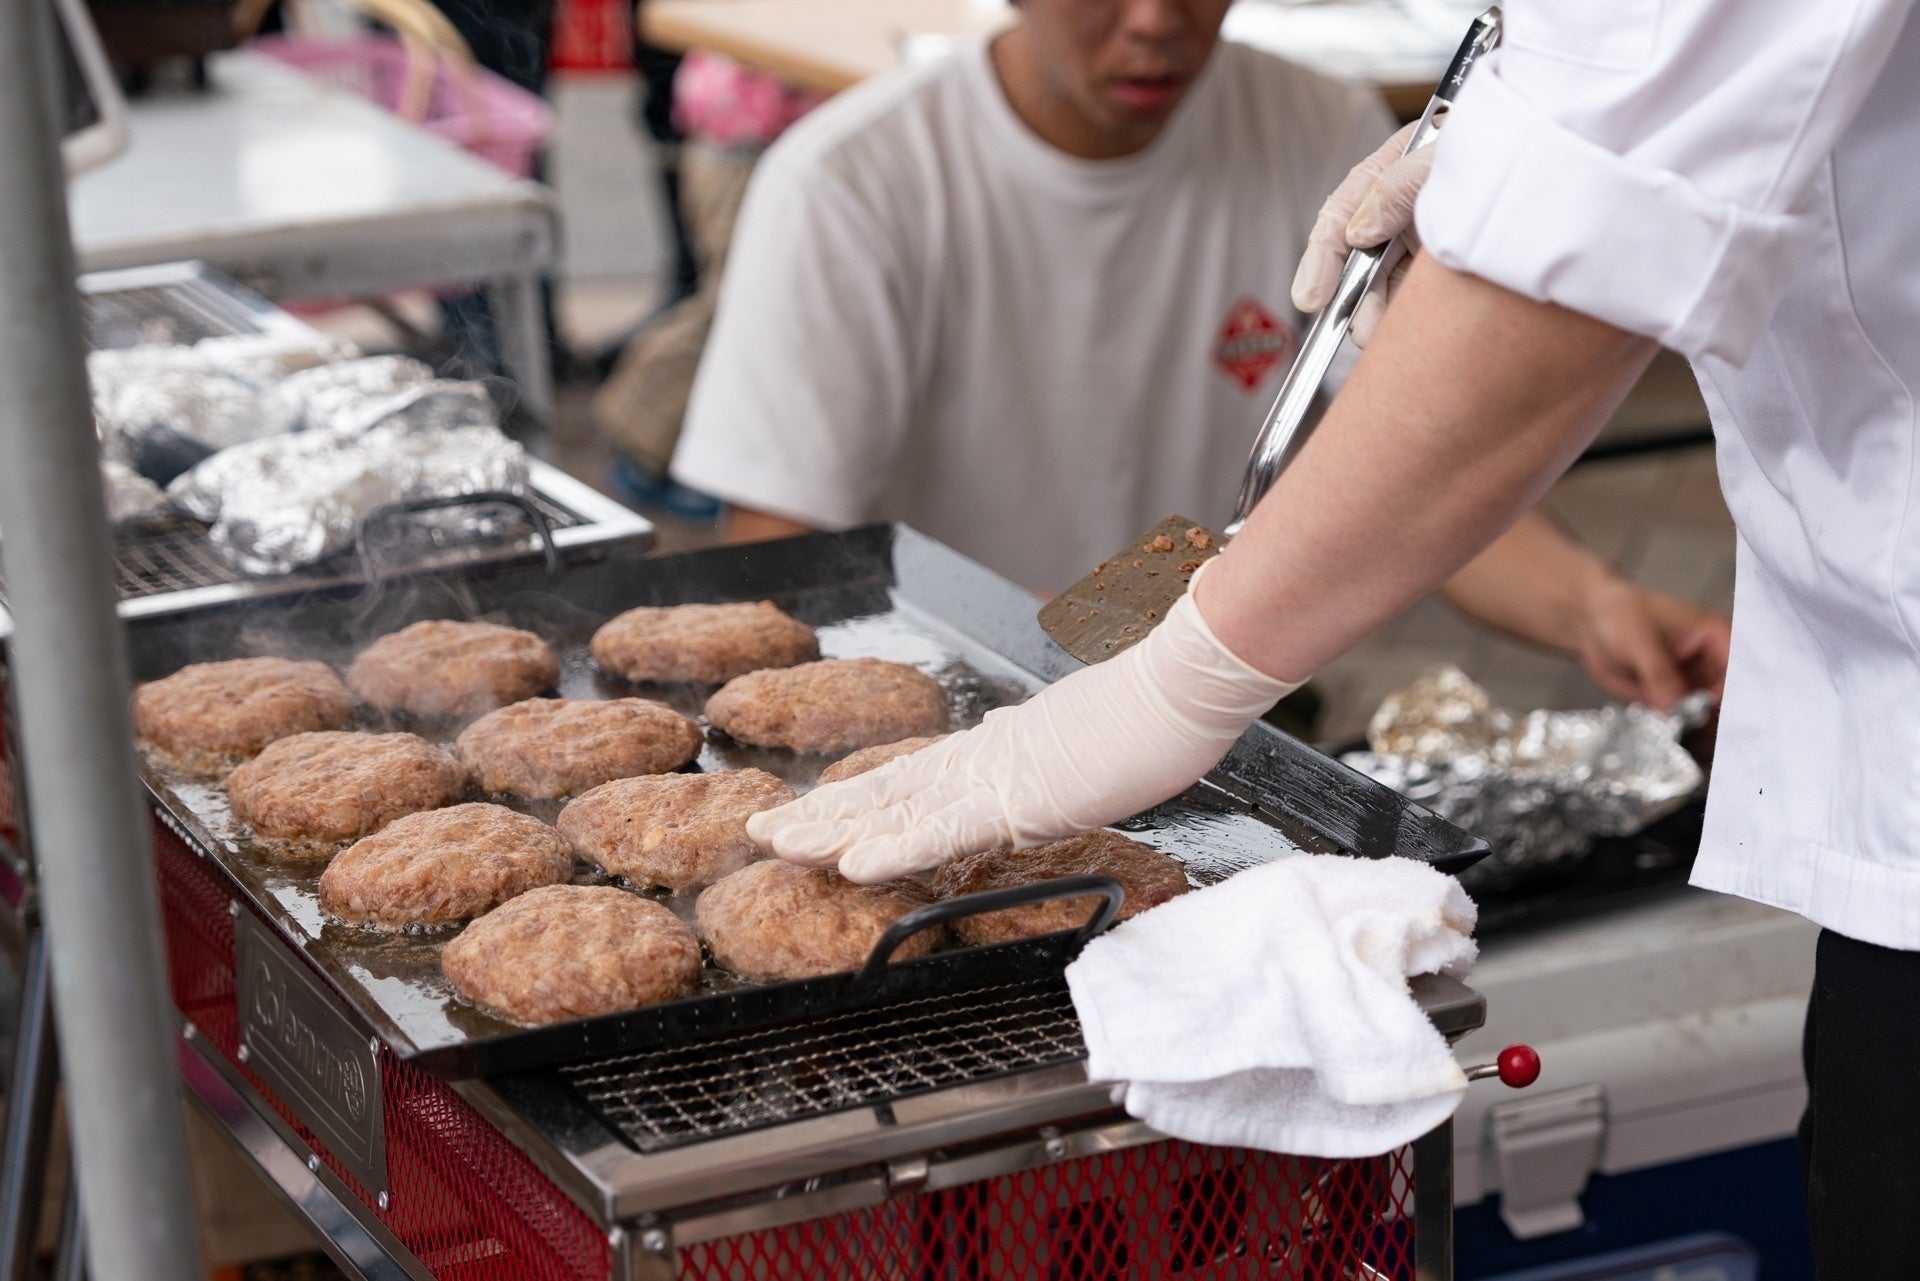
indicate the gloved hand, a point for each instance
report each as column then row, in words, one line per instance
column 1372, row 206
column 1097, row 746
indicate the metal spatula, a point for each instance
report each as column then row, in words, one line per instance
column 1126, row 595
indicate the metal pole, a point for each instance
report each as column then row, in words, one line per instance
column 29, row 1125
column 1433, row 1204
column 71, row 684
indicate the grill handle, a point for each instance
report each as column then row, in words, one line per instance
column 370, row 566
column 952, row 909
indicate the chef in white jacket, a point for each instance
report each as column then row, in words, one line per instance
column 1734, row 179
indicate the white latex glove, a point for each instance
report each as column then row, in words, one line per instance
column 1095, row 747
column 1372, row 206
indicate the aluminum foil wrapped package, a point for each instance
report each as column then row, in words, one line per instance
column 131, row 497
column 164, row 421
column 349, row 396
column 258, row 360
column 441, row 404
column 280, row 504
column 1540, row 786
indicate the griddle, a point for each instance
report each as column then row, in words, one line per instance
column 883, row 590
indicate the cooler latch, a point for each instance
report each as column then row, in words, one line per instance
column 1546, row 1147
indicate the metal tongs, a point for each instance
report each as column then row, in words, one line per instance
column 1287, row 426
column 1126, row 595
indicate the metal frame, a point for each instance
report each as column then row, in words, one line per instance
column 615, row 1184
column 71, row 695
column 353, row 1238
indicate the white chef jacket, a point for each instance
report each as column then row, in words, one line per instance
column 932, row 315
column 1736, row 179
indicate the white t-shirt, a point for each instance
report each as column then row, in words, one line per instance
column 931, row 315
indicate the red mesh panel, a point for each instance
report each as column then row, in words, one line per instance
column 593, row 35
column 467, row 1203
column 1165, row 1210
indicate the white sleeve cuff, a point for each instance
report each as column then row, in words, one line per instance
column 1519, row 199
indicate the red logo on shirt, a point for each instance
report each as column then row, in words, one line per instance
column 1252, row 342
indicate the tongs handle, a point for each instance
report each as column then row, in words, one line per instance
column 1286, row 428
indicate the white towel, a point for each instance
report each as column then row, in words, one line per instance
column 1271, row 1010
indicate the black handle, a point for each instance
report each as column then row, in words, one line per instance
column 952, row 909
column 369, row 568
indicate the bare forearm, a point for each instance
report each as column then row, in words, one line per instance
column 1468, row 402
column 1534, row 582
column 745, row 525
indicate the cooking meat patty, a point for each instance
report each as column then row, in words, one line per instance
column 703, row 644
column 211, row 713
column 774, row 921
column 442, row 668
column 830, row 706
column 443, row 866
column 1148, row 876
column 321, row 788
column 672, row 830
column 872, row 758
column 549, row 747
column 573, row 951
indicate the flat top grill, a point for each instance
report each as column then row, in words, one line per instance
column 880, row 591
column 728, row 1085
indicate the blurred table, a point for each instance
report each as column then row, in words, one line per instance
column 831, row 44
column 304, row 191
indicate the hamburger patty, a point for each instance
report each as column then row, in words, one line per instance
column 573, row 951
column 215, row 712
column 774, row 921
column 673, row 830
column 830, row 706
column 442, row 668
column 1148, row 877
column 872, row 758
column 549, row 747
column 703, row 644
column 443, row 867
column 321, row 788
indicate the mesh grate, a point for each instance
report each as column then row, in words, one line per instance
column 466, row 1202
column 181, row 313
column 175, row 554
column 732, row 1084
column 1167, row 1209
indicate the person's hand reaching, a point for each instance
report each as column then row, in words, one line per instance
column 1644, row 646
column 1372, row 206
column 1095, row 747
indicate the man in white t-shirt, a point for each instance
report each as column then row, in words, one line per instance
column 1034, row 297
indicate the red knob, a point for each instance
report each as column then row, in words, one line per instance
column 1519, row 1066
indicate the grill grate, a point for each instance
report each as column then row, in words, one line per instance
column 176, row 313
column 174, row 554
column 729, row 1085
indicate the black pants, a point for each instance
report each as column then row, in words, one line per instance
column 1860, row 1137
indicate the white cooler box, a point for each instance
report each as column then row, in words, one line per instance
column 1658, row 1142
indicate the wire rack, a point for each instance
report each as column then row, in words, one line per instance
column 182, row 312
column 174, row 554
column 729, row 1085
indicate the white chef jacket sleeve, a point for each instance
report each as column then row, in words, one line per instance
column 800, row 403
column 1651, row 162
